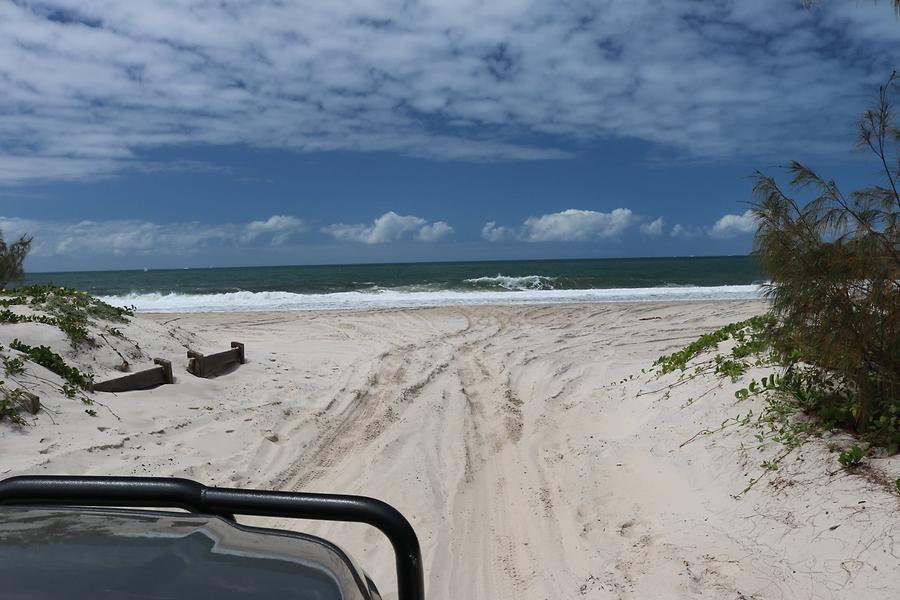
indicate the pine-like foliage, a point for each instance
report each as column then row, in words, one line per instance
column 834, row 270
column 12, row 258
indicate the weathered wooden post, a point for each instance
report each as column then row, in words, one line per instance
column 240, row 351
column 161, row 374
column 212, row 365
column 195, row 363
column 30, row 402
column 166, row 365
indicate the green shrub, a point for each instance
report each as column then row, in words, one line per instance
column 851, row 458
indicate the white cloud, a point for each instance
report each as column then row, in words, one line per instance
column 434, row 232
column 733, row 225
column 686, row 231
column 572, row 225
column 389, row 227
column 575, row 225
column 89, row 85
column 495, row 233
column 281, row 228
column 134, row 237
column 654, row 227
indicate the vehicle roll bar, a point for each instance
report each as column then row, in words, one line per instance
column 171, row 492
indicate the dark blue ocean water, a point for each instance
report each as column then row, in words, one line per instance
column 414, row 284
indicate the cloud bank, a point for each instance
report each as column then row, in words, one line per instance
column 145, row 238
column 124, row 237
column 287, row 233
column 89, row 86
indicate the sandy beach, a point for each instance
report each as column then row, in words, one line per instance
column 532, row 453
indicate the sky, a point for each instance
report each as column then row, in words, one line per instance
column 166, row 134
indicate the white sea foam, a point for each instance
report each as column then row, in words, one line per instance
column 526, row 282
column 256, row 301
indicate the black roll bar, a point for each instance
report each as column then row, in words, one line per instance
column 189, row 495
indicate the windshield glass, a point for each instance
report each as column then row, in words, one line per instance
column 84, row 554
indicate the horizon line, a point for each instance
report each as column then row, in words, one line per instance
column 399, row 263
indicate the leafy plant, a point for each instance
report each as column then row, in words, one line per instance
column 14, row 301
column 851, row 458
column 80, row 305
column 730, row 367
column 769, row 383
column 13, row 366
column 8, row 316
column 46, row 357
column 75, row 329
column 10, row 406
column 738, row 331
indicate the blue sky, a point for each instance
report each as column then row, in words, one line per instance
column 198, row 133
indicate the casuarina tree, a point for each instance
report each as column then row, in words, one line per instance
column 12, row 258
column 833, row 264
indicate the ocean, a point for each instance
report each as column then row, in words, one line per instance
column 419, row 284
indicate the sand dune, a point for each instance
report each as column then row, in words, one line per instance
column 508, row 437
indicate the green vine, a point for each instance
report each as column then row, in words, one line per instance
column 823, row 397
column 46, row 357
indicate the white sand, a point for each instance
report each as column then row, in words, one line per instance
column 503, row 434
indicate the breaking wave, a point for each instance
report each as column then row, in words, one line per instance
column 507, row 282
column 389, row 298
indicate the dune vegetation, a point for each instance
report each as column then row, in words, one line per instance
column 832, row 335
column 86, row 322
